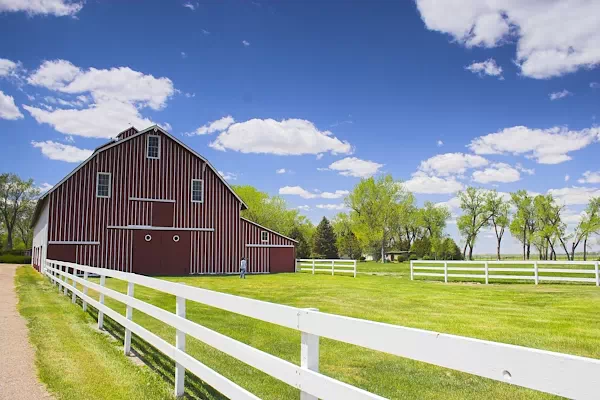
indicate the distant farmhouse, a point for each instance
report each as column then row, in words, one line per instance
column 147, row 203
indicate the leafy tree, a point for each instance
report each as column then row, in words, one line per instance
column 433, row 219
column 522, row 226
column 302, row 248
column 475, row 216
column 548, row 226
column 347, row 242
column 16, row 196
column 450, row 250
column 324, row 241
column 499, row 211
column 374, row 205
column 589, row 224
column 421, row 247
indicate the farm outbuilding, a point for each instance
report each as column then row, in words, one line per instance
column 147, row 203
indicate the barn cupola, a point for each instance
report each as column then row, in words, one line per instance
column 126, row 133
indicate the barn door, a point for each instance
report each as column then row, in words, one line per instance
column 146, row 252
column 161, row 252
column 162, row 213
column 282, row 259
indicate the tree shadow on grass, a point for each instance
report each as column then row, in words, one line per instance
column 195, row 388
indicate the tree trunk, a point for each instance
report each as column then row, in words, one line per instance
column 524, row 244
column 9, row 238
column 528, row 250
column 585, row 249
column 465, row 250
column 470, row 252
column 382, row 253
column 498, row 249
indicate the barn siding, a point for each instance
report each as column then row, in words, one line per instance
column 76, row 214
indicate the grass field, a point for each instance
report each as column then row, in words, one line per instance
column 561, row 318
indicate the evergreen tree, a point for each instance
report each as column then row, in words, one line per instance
column 302, row 247
column 324, row 245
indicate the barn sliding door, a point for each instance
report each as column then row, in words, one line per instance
column 162, row 213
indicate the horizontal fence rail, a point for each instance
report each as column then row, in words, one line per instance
column 550, row 372
column 333, row 266
column 534, row 270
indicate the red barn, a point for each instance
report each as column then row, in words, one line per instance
column 149, row 204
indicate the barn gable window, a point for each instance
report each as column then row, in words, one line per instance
column 153, row 147
column 197, row 191
column 103, row 184
column 264, row 236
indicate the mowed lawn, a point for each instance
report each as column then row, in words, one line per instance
column 561, row 318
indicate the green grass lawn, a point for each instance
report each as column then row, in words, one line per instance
column 561, row 318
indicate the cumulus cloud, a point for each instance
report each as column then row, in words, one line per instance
column 499, row 172
column 8, row 108
column 8, row 67
column 574, row 195
column 432, row 184
column 487, row 67
column 304, row 208
column 286, row 137
column 62, row 152
column 338, row 207
column 451, row 163
column 115, row 98
column 281, row 171
column 440, row 143
column 44, row 187
column 246, row 43
column 352, row 166
column 552, row 37
column 305, row 194
column 559, row 95
column 228, row 176
column 590, row 177
column 59, row 8
column 190, row 5
column 215, row 126
column 546, row 146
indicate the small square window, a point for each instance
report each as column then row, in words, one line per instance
column 103, row 184
column 197, row 190
column 153, row 147
column 264, row 236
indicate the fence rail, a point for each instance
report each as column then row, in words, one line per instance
column 531, row 267
column 333, row 266
column 550, row 372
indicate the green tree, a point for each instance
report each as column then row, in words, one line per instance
column 499, row 211
column 475, row 216
column 303, row 247
column 548, row 226
column 324, row 241
column 16, row 196
column 374, row 205
column 433, row 219
column 588, row 225
column 522, row 226
column 347, row 243
column 421, row 247
column 450, row 250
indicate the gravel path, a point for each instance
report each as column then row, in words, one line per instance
column 18, row 379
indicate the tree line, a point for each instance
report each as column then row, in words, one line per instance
column 17, row 204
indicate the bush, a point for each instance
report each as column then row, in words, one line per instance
column 362, row 258
column 427, row 257
column 401, row 258
column 12, row 259
column 413, row 257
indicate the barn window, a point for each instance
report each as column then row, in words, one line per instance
column 264, row 236
column 197, row 190
column 103, row 184
column 153, row 147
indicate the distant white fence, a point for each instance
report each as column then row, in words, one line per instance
column 560, row 374
column 333, row 266
column 534, row 269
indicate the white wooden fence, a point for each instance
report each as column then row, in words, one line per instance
column 333, row 266
column 560, row 374
column 534, row 269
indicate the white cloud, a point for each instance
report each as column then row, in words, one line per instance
column 338, row 207
column 595, row 85
column 574, row 195
column 286, row 137
column 205, row 32
column 62, row 152
column 7, row 67
column 8, row 108
column 590, row 177
column 487, row 67
column 521, row 168
column 117, row 95
column 246, row 43
column 214, row 126
column 499, row 172
column 44, row 187
column 559, row 95
column 305, row 194
column 352, row 166
column 432, row 185
column 451, row 164
column 190, row 5
column 281, row 171
column 440, row 143
column 304, row 208
column 552, row 37
column 59, row 8
column 567, row 177
column 228, row 176
column 546, row 146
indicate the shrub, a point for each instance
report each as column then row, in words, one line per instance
column 413, row 257
column 12, row 259
column 401, row 258
column 362, row 258
column 427, row 257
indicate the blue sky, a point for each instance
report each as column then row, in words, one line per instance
column 440, row 96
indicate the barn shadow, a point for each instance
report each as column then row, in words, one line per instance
column 195, row 388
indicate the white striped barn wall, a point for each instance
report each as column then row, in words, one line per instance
column 76, row 214
column 258, row 257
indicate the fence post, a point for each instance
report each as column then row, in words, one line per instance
column 73, row 295
column 597, row 274
column 355, row 269
column 65, row 280
column 85, row 291
column 412, row 277
column 129, row 316
column 309, row 356
column 486, row 273
column 313, row 266
column 101, row 301
column 445, row 272
column 535, row 272
column 180, row 344
column 332, row 267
